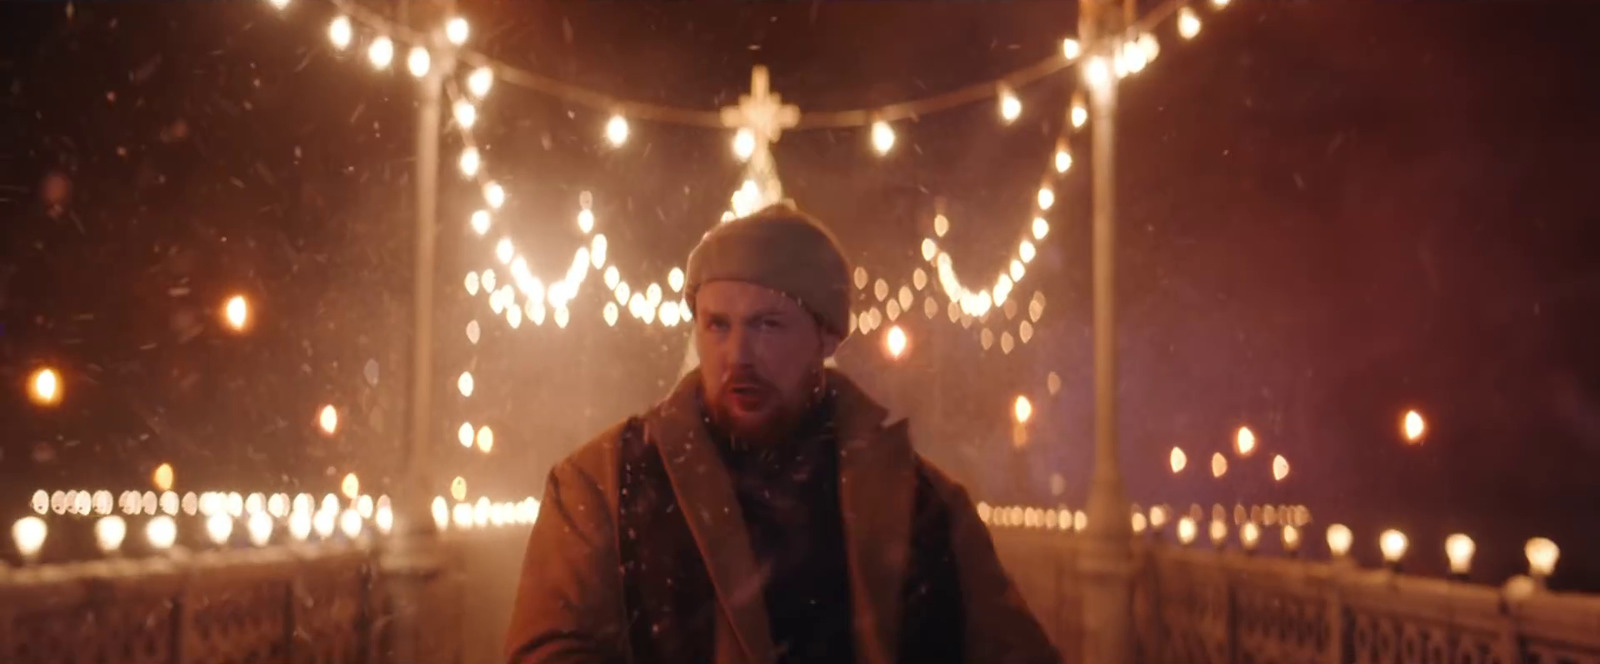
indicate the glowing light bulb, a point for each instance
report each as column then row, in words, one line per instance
column 480, row 222
column 418, row 61
column 1280, row 468
column 381, row 52
column 351, row 486
column 162, row 477
column 1244, row 442
column 464, row 383
column 1010, row 105
column 456, row 30
column 28, row 533
column 1393, row 543
column 1414, row 427
column 323, row 522
column 1080, row 110
column 1041, row 228
column 470, row 161
column 465, row 113
column 585, row 220
column 109, row 532
column 1249, row 535
column 219, row 527
column 278, row 4
column 675, row 280
column 350, row 523
column 1291, row 539
column 617, row 130
column 259, row 527
column 161, row 532
column 384, row 519
column 480, row 81
column 485, row 439
column 236, row 312
column 1178, row 460
column 300, row 524
column 744, row 144
column 458, row 488
column 340, row 32
column 1459, row 549
column 1188, row 23
column 328, row 419
column 1219, row 533
column 1022, row 409
column 1219, row 4
column 1063, row 159
column 882, row 137
column 504, row 251
column 610, row 313
column 1219, row 465
column 1047, row 198
column 1542, row 557
column 941, row 225
column 1187, row 530
column 1097, row 73
column 464, row 434
column 1071, row 49
column 894, row 342
column 44, row 387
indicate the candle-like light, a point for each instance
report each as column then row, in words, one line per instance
column 1186, row 530
column 328, row 419
column 1022, row 409
column 894, row 342
column 1542, row 557
column 383, row 518
column 1178, row 460
column 1280, row 468
column 351, row 486
column 260, row 527
column 300, row 524
column 1413, row 427
column 323, row 522
column 1249, row 535
column 236, row 313
column 350, row 523
column 1219, row 533
column 109, row 532
column 44, row 387
column 29, row 533
column 1244, row 442
column 1291, row 539
column 1393, row 544
column 1219, row 465
column 161, row 532
column 1459, row 548
column 1339, row 540
column 219, row 527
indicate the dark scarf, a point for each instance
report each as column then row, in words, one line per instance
column 789, row 496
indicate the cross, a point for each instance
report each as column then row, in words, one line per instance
column 763, row 114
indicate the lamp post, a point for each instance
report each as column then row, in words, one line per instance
column 1106, row 561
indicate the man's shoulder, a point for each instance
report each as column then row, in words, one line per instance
column 597, row 458
column 948, row 488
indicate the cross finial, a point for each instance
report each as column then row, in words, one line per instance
column 762, row 113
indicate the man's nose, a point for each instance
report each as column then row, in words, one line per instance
column 741, row 346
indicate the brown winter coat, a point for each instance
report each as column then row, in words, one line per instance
column 569, row 607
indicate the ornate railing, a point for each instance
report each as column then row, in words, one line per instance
column 1207, row 606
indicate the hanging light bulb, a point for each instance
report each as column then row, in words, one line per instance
column 675, row 280
column 1047, row 198
column 479, row 82
column 340, row 32
column 44, row 387
column 617, row 130
column 1080, row 110
column 1063, row 157
column 882, row 137
column 1071, row 49
column 1188, row 23
column 328, row 419
column 465, row 113
column 470, row 161
column 480, row 222
column 381, row 52
column 464, row 434
column 418, row 61
column 494, row 195
column 1041, row 228
column 456, row 30
column 1010, row 105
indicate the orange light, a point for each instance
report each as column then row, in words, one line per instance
column 162, row 477
column 236, row 312
column 1414, row 427
column 1245, row 442
column 895, row 342
column 44, row 387
column 1023, row 410
column 1179, row 460
column 351, row 486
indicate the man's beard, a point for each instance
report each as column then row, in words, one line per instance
column 781, row 420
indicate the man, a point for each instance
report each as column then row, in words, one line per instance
column 764, row 512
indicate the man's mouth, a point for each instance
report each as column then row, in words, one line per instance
column 747, row 395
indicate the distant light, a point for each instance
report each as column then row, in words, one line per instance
column 480, row 222
column 1022, row 409
column 162, row 477
column 1219, row 465
column 1459, row 548
column 617, row 130
column 744, row 144
column 418, row 61
column 161, row 532
column 1393, row 544
column 1188, row 23
column 1219, row 533
column 340, row 32
column 260, row 528
column 1249, row 535
column 1244, row 442
column 464, row 434
column 469, row 162
column 328, row 419
column 351, row 486
column 384, row 519
column 44, row 387
column 300, row 524
column 1414, row 428
column 1047, row 198
column 1071, row 49
column 28, row 533
column 894, row 341
column 465, row 114
column 381, row 52
column 674, row 279
column 1041, row 228
column 485, row 439
column 480, row 81
column 323, row 522
column 350, row 523
column 1542, row 557
column 236, row 312
column 882, row 137
column 278, row 4
column 1187, row 530
column 1063, row 159
column 1080, row 110
column 1291, row 538
column 458, row 488
column 464, row 384
column 1177, row 459
column 1010, row 105
column 494, row 195
column 1097, row 73
column 109, row 532
column 1280, row 468
column 456, row 30
column 219, row 527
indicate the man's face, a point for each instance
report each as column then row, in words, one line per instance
column 761, row 358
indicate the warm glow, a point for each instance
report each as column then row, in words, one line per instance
column 744, row 144
column 1339, row 540
column 260, row 528
column 1249, row 535
column 1079, row 111
column 418, row 61
column 1188, row 23
column 465, row 383
column 1414, row 427
column 1096, row 72
column 1178, row 460
column 340, row 32
column 479, row 81
column 882, row 137
column 109, row 532
column 219, row 527
column 300, row 524
column 350, row 523
column 162, row 477
column 456, row 30
column 1393, row 543
column 617, row 130
column 1063, row 159
column 458, row 488
column 161, row 532
column 1291, row 539
column 1010, row 105
column 1542, row 557
column 328, row 419
column 1023, row 409
column 28, row 533
column 323, row 522
column 894, row 342
column 1219, row 532
column 485, row 439
column 1244, row 442
column 1046, row 198
column 384, row 519
column 1459, row 548
column 465, row 114
column 236, row 312
column 1280, row 468
column 44, row 387
column 1186, row 530
column 1219, row 465
column 351, row 486
column 381, row 52
column 1071, row 49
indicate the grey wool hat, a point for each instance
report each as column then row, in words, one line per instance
column 783, row 249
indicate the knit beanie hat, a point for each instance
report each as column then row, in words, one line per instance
column 782, row 249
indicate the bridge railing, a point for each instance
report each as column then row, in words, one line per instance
column 1206, row 606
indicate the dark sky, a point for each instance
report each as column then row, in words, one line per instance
column 1329, row 213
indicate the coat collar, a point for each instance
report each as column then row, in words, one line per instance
column 877, row 482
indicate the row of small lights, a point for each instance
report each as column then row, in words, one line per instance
column 1541, row 552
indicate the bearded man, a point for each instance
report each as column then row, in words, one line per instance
column 764, row 512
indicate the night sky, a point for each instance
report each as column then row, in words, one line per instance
column 1329, row 213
